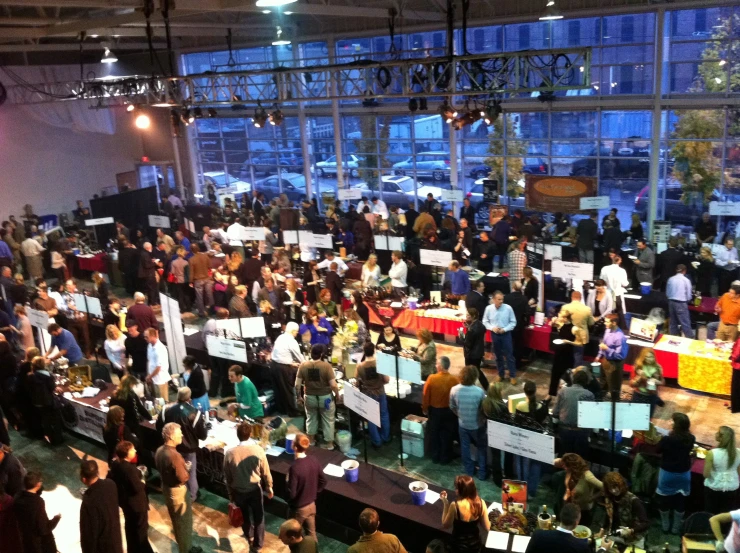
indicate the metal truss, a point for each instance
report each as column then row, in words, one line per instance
column 482, row 75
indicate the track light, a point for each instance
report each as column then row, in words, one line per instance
column 260, row 116
column 447, row 112
column 130, row 107
column 280, row 39
column 277, row 117
column 198, row 112
column 109, row 57
column 187, row 117
column 413, row 104
column 551, row 12
column 142, row 121
column 274, row 3
column 212, row 112
column 492, row 111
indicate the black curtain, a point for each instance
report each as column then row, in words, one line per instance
column 132, row 208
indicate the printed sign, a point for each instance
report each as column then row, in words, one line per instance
column 724, row 208
column 159, row 221
column 234, row 350
column 323, row 241
column 526, row 443
column 85, row 420
column 395, row 243
column 553, row 194
column 253, row 327
column 572, row 270
column 253, row 234
column 596, row 202
column 100, row 221
column 39, row 319
column 661, row 231
column 349, row 194
column 410, row 370
column 381, row 242
column 365, row 406
column 628, row 416
column 290, row 237
column 452, row 195
column 435, row 258
column 490, row 190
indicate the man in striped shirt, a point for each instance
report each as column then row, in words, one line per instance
column 465, row 402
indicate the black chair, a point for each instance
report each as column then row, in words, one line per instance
column 697, row 523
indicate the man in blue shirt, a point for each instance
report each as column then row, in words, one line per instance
column 499, row 318
column 465, row 402
column 614, row 349
column 65, row 343
column 458, row 279
column 6, row 256
column 679, row 295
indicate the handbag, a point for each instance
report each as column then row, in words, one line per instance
column 236, row 518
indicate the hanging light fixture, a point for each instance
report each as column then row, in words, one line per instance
column 551, row 13
column 274, row 3
column 493, row 110
column 280, row 40
column 447, row 111
column 142, row 121
column 260, row 116
column 109, row 57
column 277, row 117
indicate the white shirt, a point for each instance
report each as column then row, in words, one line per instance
column 31, row 247
column 361, row 206
column 615, row 278
column 285, row 350
column 220, row 234
column 61, row 304
column 116, row 351
column 157, row 356
column 732, row 541
column 398, row 273
column 725, row 256
column 370, row 277
column 236, row 232
column 341, row 265
column 380, row 208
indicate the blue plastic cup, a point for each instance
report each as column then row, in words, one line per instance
column 351, row 471
column 645, row 288
column 418, row 492
column 289, row 439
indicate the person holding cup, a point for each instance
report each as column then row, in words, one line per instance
column 466, row 515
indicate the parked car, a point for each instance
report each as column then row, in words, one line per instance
column 434, row 165
column 620, row 163
column 270, row 164
column 328, row 167
column 676, row 210
column 293, row 185
column 226, row 183
column 532, row 166
column 399, row 190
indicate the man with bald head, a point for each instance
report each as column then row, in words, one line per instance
column 291, row 534
column 148, row 265
column 582, row 317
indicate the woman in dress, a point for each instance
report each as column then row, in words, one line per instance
column 563, row 360
column 115, row 349
column 674, row 477
column 467, row 516
column 292, row 302
column 312, row 282
column 636, row 231
column 721, row 474
column 426, row 353
column 194, row 380
column 371, row 272
column 388, row 341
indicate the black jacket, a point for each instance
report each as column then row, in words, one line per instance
column 520, row 305
column 469, row 214
column 547, row 541
column 100, row 527
column 489, row 249
column 11, row 474
column 668, row 260
column 134, row 410
column 333, row 283
column 147, row 267
column 478, row 301
column 131, row 490
column 136, row 348
column 128, row 261
column 36, row 528
column 115, row 434
column 474, row 341
column 191, row 421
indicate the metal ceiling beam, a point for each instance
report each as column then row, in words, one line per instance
column 71, row 28
column 35, row 21
column 68, row 47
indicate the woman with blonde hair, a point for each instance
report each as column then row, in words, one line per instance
column 115, row 349
column 721, row 473
column 293, row 301
column 648, row 376
column 371, row 272
column 426, row 353
column 25, row 330
column 362, row 333
column 705, row 271
column 100, row 290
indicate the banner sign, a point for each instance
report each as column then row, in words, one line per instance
column 349, row 194
column 234, row 350
column 596, row 202
column 365, row 406
column 159, row 221
column 572, row 270
column 84, row 419
column 490, row 190
column 435, row 258
column 518, row 441
column 452, row 195
column 553, row 194
column 100, row 221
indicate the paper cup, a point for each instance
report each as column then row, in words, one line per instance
column 418, row 492
column 289, row 439
column 351, row 471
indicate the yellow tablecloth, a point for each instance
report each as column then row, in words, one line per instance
column 704, row 369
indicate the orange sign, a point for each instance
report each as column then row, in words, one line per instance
column 552, row 194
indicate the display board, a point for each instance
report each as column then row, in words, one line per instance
column 253, row 327
column 724, row 208
column 629, row 416
column 557, row 194
column 381, row 242
column 661, row 231
column 594, row 202
column 159, row 221
column 99, row 221
column 451, row 195
column 84, row 420
column 290, row 237
column 234, row 350
column 572, row 270
column 385, row 363
column 172, row 320
column 323, row 241
column 349, row 194
column 490, row 190
column 435, row 258
column 519, row 441
column 365, row 406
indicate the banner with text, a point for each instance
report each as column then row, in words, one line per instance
column 553, row 194
column 365, row 406
column 519, row 441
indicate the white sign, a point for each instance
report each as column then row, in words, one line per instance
column 234, row 350
column 94, row 307
column 253, row 327
column 159, row 221
column 365, row 406
column 173, row 332
column 395, row 243
column 88, row 420
column 290, row 237
column 189, row 224
column 629, row 416
column 349, row 194
column 385, row 363
column 452, row 196
column 435, row 258
column 410, row 370
column 80, row 303
column 724, row 208
column 526, row 443
column 253, row 234
column 100, row 221
column 381, row 242
column 39, row 319
column 231, row 328
column 595, row 202
column 305, row 238
column 553, row 252
column 323, row 241
column 572, row 270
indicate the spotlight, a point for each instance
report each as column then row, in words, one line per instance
column 276, row 117
column 493, row 110
column 280, row 40
column 721, row 62
column 212, row 112
column 260, row 116
column 142, row 121
column 447, row 112
column 274, row 3
column 198, row 113
column 187, row 117
column 130, row 107
column 109, row 57
column 551, row 12
column 413, row 104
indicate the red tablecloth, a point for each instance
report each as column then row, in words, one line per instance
column 96, row 263
column 707, row 305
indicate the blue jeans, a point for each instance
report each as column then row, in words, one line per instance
column 528, row 470
column 712, row 329
column 503, row 348
column 382, row 434
column 193, row 481
column 479, row 437
column 679, row 315
column 577, row 356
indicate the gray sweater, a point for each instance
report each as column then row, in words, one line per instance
column 246, row 467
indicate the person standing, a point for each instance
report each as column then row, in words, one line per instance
column 465, row 403
column 372, row 539
column 499, row 318
column 562, row 538
column 435, row 404
column 477, row 299
column 735, row 385
column 32, row 252
column 65, row 343
column 721, row 473
column 286, row 358
column 572, row 438
column 141, row 313
column 100, row 527
column 37, row 530
column 247, row 475
column 247, row 403
column 645, row 262
column 728, row 309
column 398, row 274
column 517, row 261
column 520, row 305
column 679, row 295
column 11, row 471
column 587, row 232
column 305, row 481
column 316, row 388
column 136, row 351
column 614, row 350
column 148, row 273
column 158, row 365
column 674, row 477
column 474, row 344
column 132, row 498
column 200, row 279
column 175, row 474
column 291, row 534
column 467, row 515
column 372, row 383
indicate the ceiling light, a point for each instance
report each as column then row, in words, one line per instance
column 188, row 117
column 142, row 121
column 274, row 3
column 260, row 116
column 722, row 62
column 266, row 12
column 280, row 40
column 93, row 36
column 447, row 111
column 551, row 12
column 288, row 13
column 277, row 117
column 718, row 80
column 130, row 107
column 109, row 57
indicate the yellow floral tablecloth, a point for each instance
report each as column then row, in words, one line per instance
column 704, row 369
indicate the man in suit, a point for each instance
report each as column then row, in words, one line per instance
column 131, row 498
column 668, row 260
column 411, row 215
column 257, row 207
column 519, row 304
column 37, row 530
column 128, row 262
column 333, row 283
column 148, row 273
column 467, row 212
column 476, row 298
column 645, row 262
column 562, row 540
column 474, row 345
column 100, row 526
